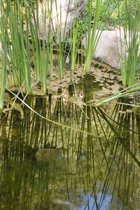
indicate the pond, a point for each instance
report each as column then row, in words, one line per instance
column 88, row 159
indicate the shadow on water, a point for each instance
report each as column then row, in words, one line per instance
column 44, row 166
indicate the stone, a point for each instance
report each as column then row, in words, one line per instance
column 111, row 47
column 62, row 15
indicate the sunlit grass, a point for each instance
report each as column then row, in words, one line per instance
column 92, row 37
column 74, row 36
column 4, row 60
column 130, row 59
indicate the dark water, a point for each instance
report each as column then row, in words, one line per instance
column 93, row 166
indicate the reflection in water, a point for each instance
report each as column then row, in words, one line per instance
column 92, row 202
column 44, row 166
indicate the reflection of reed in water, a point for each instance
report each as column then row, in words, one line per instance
column 123, row 164
column 80, row 169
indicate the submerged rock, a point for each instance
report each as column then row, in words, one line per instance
column 48, row 154
column 58, row 16
column 62, row 205
column 111, row 47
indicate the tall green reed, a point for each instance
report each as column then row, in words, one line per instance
column 40, row 53
column 130, row 60
column 4, row 52
column 74, row 47
column 16, row 45
column 21, row 40
column 77, row 30
column 20, row 47
column 36, row 47
column 93, row 35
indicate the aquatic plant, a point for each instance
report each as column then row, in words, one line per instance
column 93, row 35
column 130, row 54
column 123, row 93
column 74, row 47
column 16, row 47
column 4, row 54
column 29, row 42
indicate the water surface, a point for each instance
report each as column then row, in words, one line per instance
column 92, row 166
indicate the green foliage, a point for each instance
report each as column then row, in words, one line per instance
column 4, row 58
column 112, row 14
column 131, row 30
column 92, row 36
column 20, row 40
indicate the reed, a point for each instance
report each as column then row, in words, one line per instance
column 74, row 46
column 15, row 44
column 4, row 53
column 124, row 93
column 130, row 60
column 35, row 47
column 40, row 50
column 22, row 46
column 93, row 35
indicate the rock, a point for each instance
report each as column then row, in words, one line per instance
column 62, row 205
column 110, row 47
column 48, row 154
column 63, row 14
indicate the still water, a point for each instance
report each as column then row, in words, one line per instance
column 90, row 164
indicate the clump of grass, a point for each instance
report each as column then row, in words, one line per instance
column 21, row 41
column 92, row 37
column 131, row 28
